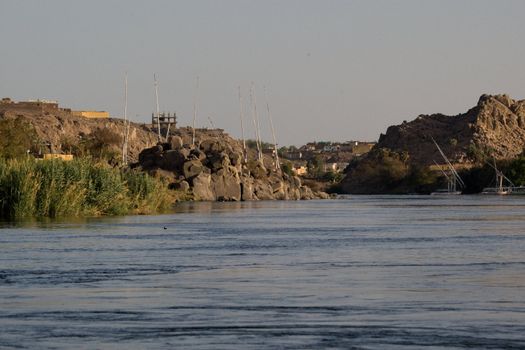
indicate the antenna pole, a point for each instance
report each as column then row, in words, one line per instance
column 195, row 100
column 157, row 105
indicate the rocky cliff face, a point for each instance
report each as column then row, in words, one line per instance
column 495, row 126
column 214, row 170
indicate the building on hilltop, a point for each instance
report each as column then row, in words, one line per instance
column 90, row 114
column 41, row 106
column 164, row 119
column 45, row 107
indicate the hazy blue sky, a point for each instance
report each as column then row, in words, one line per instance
column 334, row 70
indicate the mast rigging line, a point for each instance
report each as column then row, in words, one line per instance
column 277, row 164
column 450, row 166
column 498, row 172
column 256, row 121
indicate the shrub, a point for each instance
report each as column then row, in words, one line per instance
column 287, row 168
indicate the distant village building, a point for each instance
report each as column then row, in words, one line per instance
column 335, row 167
column 293, row 155
column 269, row 151
column 299, row 170
column 311, row 146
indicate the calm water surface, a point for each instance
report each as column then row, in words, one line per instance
column 359, row 273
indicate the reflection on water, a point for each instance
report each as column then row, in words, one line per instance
column 361, row 272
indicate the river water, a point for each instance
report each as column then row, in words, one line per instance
column 381, row 272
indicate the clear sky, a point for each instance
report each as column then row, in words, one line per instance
column 334, row 70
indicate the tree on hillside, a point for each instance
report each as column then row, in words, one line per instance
column 287, row 168
column 253, row 144
column 316, row 167
column 17, row 138
column 104, row 144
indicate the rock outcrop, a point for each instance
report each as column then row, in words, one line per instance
column 214, row 170
column 495, row 126
column 54, row 128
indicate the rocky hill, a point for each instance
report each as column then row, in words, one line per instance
column 495, row 127
column 214, row 169
column 403, row 159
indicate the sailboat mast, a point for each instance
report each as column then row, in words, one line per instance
column 169, row 126
column 157, row 105
column 245, row 154
column 126, row 124
column 195, row 98
column 276, row 155
column 256, row 122
column 450, row 166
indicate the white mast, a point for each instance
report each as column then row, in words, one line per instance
column 277, row 165
column 195, row 100
column 450, row 166
column 256, row 122
column 126, row 123
column 245, row 154
column 500, row 177
column 168, row 129
column 157, row 105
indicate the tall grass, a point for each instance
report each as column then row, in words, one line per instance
column 54, row 188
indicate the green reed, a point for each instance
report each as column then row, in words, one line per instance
column 56, row 188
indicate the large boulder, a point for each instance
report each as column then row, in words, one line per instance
column 258, row 171
column 236, row 159
column 294, row 193
column 278, row 187
column 192, row 168
column 174, row 159
column 306, row 192
column 175, row 142
column 182, row 186
column 197, row 154
column 262, row 190
column 226, row 184
column 218, row 161
column 247, row 188
column 202, row 188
